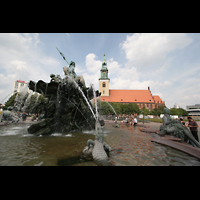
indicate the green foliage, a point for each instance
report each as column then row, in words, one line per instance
column 157, row 111
column 145, row 110
column 178, row 111
column 155, row 120
column 10, row 102
column 128, row 109
column 119, row 108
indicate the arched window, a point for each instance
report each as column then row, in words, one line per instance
column 103, row 84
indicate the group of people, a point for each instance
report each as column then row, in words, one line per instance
column 192, row 125
column 23, row 116
column 130, row 120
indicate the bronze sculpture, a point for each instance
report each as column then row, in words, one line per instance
column 175, row 128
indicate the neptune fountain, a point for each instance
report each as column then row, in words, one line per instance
column 68, row 108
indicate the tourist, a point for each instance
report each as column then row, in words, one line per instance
column 181, row 120
column 193, row 128
column 135, row 120
column 126, row 120
column 24, row 115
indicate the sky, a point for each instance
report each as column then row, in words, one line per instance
column 169, row 63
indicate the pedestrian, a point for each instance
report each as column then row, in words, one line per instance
column 135, row 120
column 193, row 128
column 24, row 115
column 181, row 120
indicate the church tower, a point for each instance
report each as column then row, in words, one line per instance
column 104, row 80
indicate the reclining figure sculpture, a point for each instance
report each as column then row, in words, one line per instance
column 175, row 128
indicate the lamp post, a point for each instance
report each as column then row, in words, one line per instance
column 143, row 115
column 143, row 112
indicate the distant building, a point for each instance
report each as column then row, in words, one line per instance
column 193, row 110
column 143, row 98
column 176, row 105
column 17, row 86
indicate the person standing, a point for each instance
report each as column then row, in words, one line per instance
column 181, row 120
column 193, row 128
column 24, row 115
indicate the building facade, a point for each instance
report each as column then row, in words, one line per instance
column 143, row 98
column 17, row 86
column 193, row 110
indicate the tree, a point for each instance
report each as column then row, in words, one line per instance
column 145, row 110
column 10, row 102
column 178, row 111
column 136, row 109
column 183, row 112
column 105, row 109
column 157, row 111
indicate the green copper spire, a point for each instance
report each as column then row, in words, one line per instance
column 104, row 70
column 104, row 63
column 104, row 58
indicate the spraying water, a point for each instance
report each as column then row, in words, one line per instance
column 19, row 99
column 94, row 93
column 27, row 101
column 76, row 84
column 78, row 110
column 112, row 108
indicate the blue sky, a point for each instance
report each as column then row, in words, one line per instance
column 167, row 62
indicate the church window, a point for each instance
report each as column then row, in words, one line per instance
column 121, row 99
column 104, row 84
column 135, row 99
column 103, row 92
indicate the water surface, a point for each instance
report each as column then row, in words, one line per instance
column 131, row 147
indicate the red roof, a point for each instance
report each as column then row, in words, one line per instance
column 129, row 96
column 157, row 99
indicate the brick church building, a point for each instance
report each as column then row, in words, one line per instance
column 143, row 98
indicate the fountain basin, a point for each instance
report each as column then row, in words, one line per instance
column 130, row 147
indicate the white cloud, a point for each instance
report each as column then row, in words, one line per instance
column 196, row 96
column 92, row 64
column 186, row 97
column 22, row 58
column 144, row 49
column 167, row 83
column 19, row 65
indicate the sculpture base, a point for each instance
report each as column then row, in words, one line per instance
column 177, row 143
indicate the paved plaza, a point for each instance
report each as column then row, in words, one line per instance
column 134, row 147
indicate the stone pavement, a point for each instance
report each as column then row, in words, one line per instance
column 133, row 147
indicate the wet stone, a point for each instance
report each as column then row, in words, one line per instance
column 136, row 148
